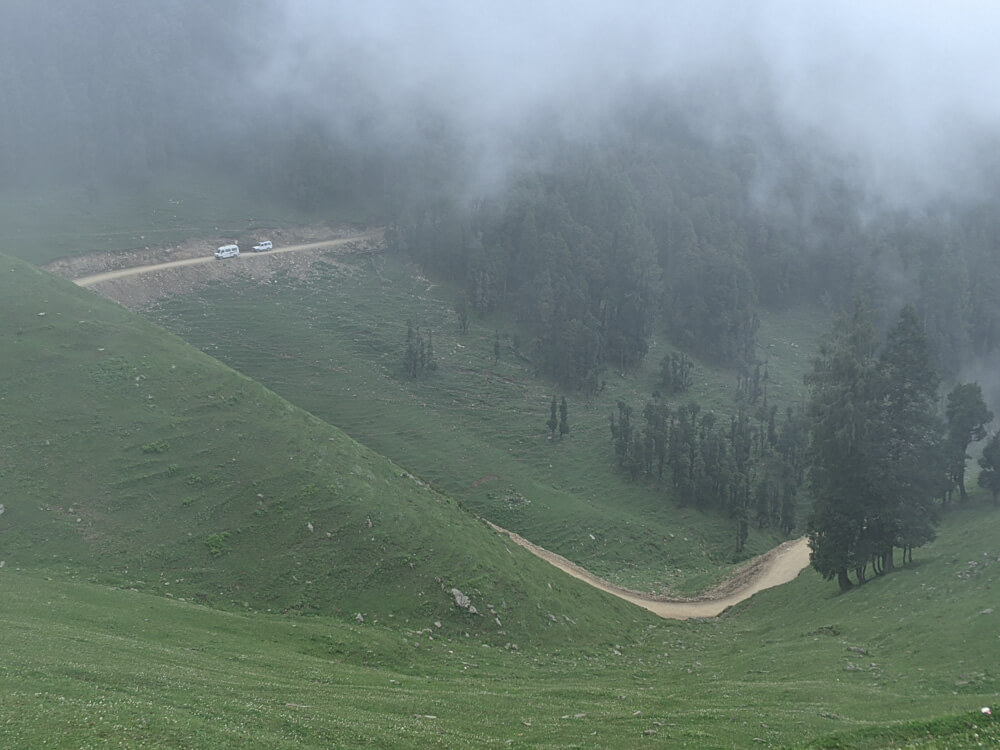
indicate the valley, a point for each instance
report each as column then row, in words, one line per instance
column 490, row 375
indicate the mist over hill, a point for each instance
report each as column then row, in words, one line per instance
column 814, row 150
column 898, row 98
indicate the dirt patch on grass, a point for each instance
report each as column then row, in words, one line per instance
column 139, row 278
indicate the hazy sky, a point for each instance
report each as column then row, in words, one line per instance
column 902, row 90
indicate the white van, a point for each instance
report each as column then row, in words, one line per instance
column 227, row 251
column 262, row 246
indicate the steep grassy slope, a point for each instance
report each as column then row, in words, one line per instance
column 129, row 456
column 476, row 426
column 905, row 661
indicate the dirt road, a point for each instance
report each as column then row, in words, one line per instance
column 780, row 565
column 243, row 257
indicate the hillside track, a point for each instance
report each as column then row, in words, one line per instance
column 246, row 257
column 780, row 565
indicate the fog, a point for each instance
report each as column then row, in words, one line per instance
column 900, row 95
column 844, row 111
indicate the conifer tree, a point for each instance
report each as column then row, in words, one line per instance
column 553, row 422
column 876, row 446
column 911, row 443
column 967, row 419
column 842, row 444
column 989, row 462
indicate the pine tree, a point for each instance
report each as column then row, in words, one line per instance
column 430, row 363
column 989, row 462
column 842, row 446
column 967, row 419
column 622, row 432
column 411, row 361
column 462, row 311
column 553, row 422
column 911, row 444
column 876, row 446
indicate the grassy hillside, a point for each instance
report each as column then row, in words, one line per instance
column 905, row 661
column 167, row 523
column 130, row 457
column 476, row 426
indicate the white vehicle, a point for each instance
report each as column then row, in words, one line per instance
column 228, row 251
column 262, row 246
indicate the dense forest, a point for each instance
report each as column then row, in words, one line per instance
column 656, row 225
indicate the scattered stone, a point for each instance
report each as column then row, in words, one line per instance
column 359, row 617
column 309, row 525
column 461, row 600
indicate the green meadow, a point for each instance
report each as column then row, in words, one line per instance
column 253, row 541
column 476, row 425
column 905, row 661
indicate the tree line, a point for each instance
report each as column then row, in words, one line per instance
column 750, row 467
column 594, row 246
column 881, row 453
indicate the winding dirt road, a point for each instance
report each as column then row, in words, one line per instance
column 780, row 565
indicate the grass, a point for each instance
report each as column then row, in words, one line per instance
column 131, row 455
column 189, row 559
column 476, row 427
column 905, row 661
